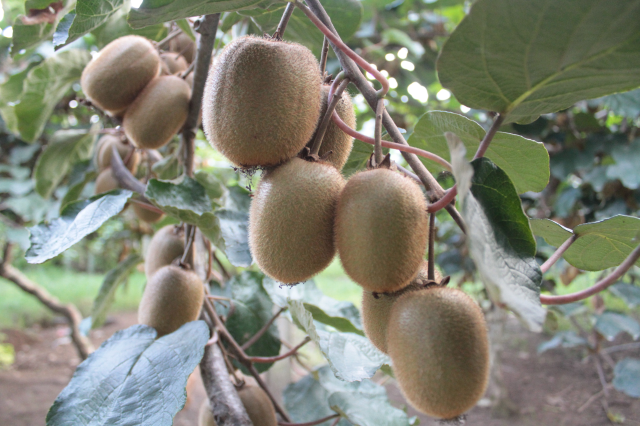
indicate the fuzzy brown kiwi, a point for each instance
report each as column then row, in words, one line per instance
column 103, row 157
column 147, row 215
column 335, row 140
column 158, row 112
column 382, row 227
column 166, row 245
column 114, row 78
column 376, row 308
column 205, row 415
column 184, row 45
column 106, row 181
column 255, row 401
column 437, row 340
column 261, row 101
column 291, row 220
column 173, row 63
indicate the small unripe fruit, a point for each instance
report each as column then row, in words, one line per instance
column 158, row 112
column 376, row 309
column 173, row 63
column 183, row 44
column 335, row 140
column 291, row 220
column 255, row 401
column 114, row 78
column 172, row 298
column 106, row 181
column 125, row 150
column 165, row 246
column 262, row 101
column 437, row 340
column 147, row 215
column 382, row 228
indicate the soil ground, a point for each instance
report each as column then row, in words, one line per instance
column 556, row 388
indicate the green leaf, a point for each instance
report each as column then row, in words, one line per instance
column 212, row 186
column 525, row 161
column 89, row 15
column 524, row 58
column 499, row 237
column 76, row 221
column 564, row 339
column 234, row 237
column 168, row 168
column 116, row 26
column 132, row 379
column 81, row 174
column 626, row 168
column 628, row 292
column 10, row 92
column 65, row 148
column 29, row 35
column 625, row 104
column 307, row 400
column 552, row 232
column 610, row 324
column 358, row 158
column 44, row 87
column 626, row 377
column 107, row 292
column 184, row 25
column 351, row 357
column 158, row 11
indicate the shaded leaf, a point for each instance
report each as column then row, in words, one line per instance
column 89, row 15
column 626, row 168
column 628, row 292
column 168, row 168
column 133, row 378
column 81, row 174
column 564, row 339
column 27, row 34
column 306, row 400
column 626, row 104
column 626, row 377
column 570, row 309
column 234, row 237
column 610, row 324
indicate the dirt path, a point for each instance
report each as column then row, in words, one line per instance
column 546, row 390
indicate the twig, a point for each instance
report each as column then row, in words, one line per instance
column 377, row 146
column 603, row 380
column 168, row 38
column 326, row 120
column 623, row 347
column 263, row 330
column 558, row 254
column 186, row 72
column 189, row 236
column 282, row 26
column 486, row 141
column 598, row 287
column 443, row 202
column 124, row 177
column 590, row 401
column 431, row 272
column 270, row 359
column 224, row 271
column 323, row 56
column 313, row 423
column 335, row 422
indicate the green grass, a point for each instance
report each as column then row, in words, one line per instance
column 19, row 309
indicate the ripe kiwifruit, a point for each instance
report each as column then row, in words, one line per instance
column 126, row 151
column 173, row 63
column 335, row 140
column 106, row 181
column 382, row 227
column 165, row 246
column 158, row 112
column 114, row 78
column 172, row 298
column 184, row 45
column 437, row 340
column 291, row 220
column 376, row 308
column 262, row 101
column 255, row 401
column 147, row 215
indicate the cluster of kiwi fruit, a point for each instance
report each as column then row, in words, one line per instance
column 262, row 105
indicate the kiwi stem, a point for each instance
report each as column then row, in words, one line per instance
column 597, row 287
column 377, row 147
column 326, row 120
column 313, row 423
column 282, row 26
column 449, row 196
column 186, row 72
column 124, row 177
column 484, row 145
column 223, row 270
column 431, row 271
column 323, row 56
column 270, row 359
column 558, row 254
column 263, row 330
column 168, row 38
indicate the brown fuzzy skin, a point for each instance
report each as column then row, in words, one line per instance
column 437, row 340
column 172, row 298
column 106, row 181
column 376, row 310
column 335, row 140
column 255, row 401
column 158, row 113
column 165, row 246
column 262, row 101
column 291, row 220
column 103, row 158
column 182, row 43
column 146, row 214
column 173, row 63
column 113, row 79
column 205, row 415
column 382, row 228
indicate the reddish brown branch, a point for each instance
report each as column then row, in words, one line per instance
column 270, row 359
column 326, row 120
column 558, row 254
column 282, row 26
column 263, row 330
column 486, row 141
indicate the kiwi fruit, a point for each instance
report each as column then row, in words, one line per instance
column 173, row 63
column 437, row 341
column 106, row 181
column 103, row 157
column 166, row 245
column 158, row 113
column 147, row 215
column 376, row 307
column 262, row 101
column 183, row 44
column 335, row 140
column 255, row 401
column 114, row 78
column 172, row 298
column 382, row 228
column 291, row 220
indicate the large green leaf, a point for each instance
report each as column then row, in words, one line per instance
column 75, row 222
column 28, row 34
column 132, row 379
column 65, row 148
column 524, row 58
column 627, row 377
column 552, row 232
column 498, row 234
column 524, row 160
column 89, row 15
column 43, row 88
column 158, row 11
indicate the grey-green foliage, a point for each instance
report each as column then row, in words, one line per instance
column 627, row 376
column 89, row 15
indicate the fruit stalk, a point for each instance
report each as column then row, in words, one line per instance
column 326, row 120
column 324, row 55
column 558, row 254
column 282, row 26
column 377, row 147
column 123, row 175
column 484, row 145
